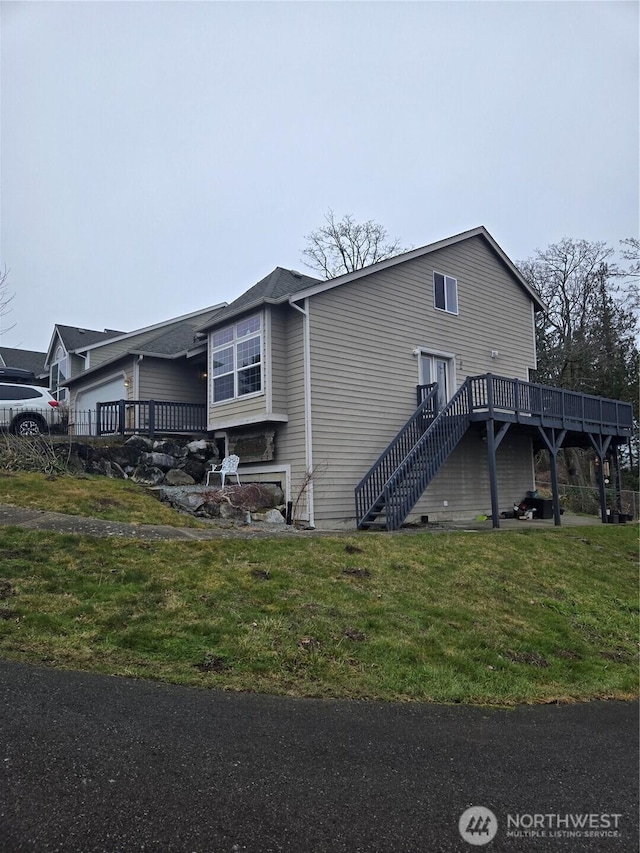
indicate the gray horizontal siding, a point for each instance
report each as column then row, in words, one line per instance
column 463, row 481
column 104, row 353
column 290, row 437
column 176, row 381
column 277, row 365
column 364, row 372
column 125, row 366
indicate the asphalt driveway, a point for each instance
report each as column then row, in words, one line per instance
column 96, row 763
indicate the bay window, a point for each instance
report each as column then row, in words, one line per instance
column 236, row 359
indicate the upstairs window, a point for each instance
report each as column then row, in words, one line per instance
column 445, row 293
column 236, row 360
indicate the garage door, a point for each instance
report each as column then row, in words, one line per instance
column 86, row 403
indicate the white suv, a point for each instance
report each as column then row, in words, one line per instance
column 27, row 410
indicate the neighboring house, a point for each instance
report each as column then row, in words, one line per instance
column 66, row 356
column 25, row 359
column 162, row 362
column 313, row 379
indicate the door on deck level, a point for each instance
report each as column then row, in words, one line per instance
column 435, row 368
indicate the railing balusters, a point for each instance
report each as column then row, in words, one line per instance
column 395, row 453
column 403, row 471
column 406, row 482
column 144, row 416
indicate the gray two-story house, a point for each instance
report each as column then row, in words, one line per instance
column 395, row 392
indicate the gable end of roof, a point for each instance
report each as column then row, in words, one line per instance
column 412, row 254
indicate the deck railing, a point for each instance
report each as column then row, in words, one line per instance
column 395, row 482
column 123, row 417
column 572, row 409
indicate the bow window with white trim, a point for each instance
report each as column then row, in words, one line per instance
column 236, row 359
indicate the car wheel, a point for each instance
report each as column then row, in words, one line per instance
column 28, row 426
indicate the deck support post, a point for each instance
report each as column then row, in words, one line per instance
column 553, row 440
column 553, row 467
column 618, row 484
column 601, row 446
column 493, row 443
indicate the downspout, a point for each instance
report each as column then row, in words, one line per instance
column 308, row 437
column 136, row 388
column 136, row 377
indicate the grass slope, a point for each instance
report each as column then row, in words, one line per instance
column 93, row 496
column 492, row 618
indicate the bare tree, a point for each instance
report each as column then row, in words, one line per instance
column 587, row 337
column 631, row 252
column 567, row 276
column 343, row 245
column 5, row 297
column 631, row 275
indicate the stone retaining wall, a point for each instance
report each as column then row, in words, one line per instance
column 170, row 462
column 176, row 471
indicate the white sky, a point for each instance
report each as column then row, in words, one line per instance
column 160, row 157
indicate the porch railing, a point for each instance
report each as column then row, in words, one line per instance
column 123, row 417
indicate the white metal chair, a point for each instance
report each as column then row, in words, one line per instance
column 228, row 466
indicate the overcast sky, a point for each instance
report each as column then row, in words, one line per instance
column 161, row 157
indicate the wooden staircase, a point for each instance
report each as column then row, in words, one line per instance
column 393, row 485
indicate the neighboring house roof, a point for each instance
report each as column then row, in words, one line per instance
column 284, row 285
column 75, row 338
column 196, row 318
column 175, row 337
column 276, row 287
column 171, row 343
column 25, row 359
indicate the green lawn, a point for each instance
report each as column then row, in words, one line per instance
column 493, row 618
column 93, row 496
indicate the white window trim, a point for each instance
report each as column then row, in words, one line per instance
column 61, row 392
column 261, row 334
column 450, row 357
column 445, row 310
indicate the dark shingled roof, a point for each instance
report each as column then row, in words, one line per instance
column 174, row 341
column 74, row 337
column 178, row 338
column 25, row 359
column 276, row 287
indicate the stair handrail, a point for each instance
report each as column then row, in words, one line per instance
column 395, row 452
column 453, row 420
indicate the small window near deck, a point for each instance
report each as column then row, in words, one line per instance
column 445, row 293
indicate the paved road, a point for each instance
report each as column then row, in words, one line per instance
column 94, row 763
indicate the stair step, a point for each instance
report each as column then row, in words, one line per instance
column 409, row 485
